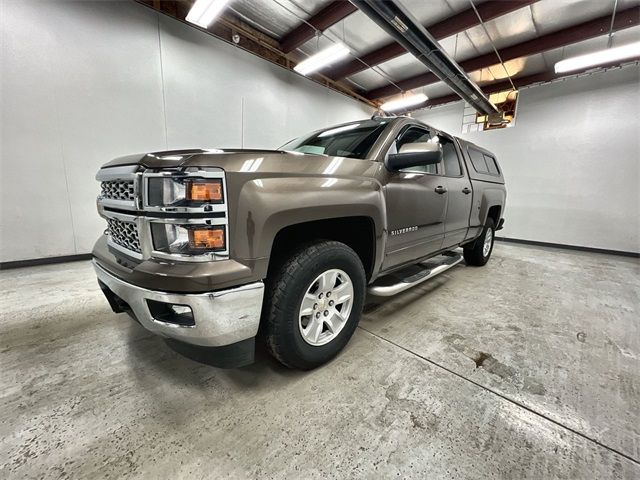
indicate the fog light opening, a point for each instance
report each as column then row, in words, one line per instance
column 172, row 313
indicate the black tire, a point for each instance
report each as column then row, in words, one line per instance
column 286, row 288
column 473, row 253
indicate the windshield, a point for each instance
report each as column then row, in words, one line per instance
column 353, row 140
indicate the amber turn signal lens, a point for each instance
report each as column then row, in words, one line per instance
column 209, row 239
column 205, row 191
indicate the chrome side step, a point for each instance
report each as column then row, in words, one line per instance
column 411, row 276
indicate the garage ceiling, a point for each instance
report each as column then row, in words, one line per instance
column 530, row 35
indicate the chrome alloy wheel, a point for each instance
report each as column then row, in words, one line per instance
column 326, row 307
column 488, row 238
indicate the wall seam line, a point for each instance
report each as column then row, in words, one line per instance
column 66, row 182
column 64, row 164
column 242, row 122
column 164, row 101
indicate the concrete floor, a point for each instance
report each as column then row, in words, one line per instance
column 526, row 368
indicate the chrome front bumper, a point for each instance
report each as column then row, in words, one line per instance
column 221, row 318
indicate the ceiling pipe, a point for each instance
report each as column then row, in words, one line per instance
column 447, row 27
column 403, row 27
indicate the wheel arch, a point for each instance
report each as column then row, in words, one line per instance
column 494, row 213
column 490, row 204
column 357, row 232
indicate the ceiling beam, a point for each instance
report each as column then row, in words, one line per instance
column 320, row 21
column 502, row 85
column 445, row 28
column 577, row 33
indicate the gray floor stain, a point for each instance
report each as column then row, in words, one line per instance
column 487, row 362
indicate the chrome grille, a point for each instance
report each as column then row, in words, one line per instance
column 124, row 234
column 117, row 190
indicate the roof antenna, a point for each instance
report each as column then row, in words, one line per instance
column 379, row 113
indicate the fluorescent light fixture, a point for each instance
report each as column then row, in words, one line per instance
column 322, row 59
column 204, row 12
column 404, row 102
column 599, row 58
column 333, row 131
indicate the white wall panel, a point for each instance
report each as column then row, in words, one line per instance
column 219, row 96
column 35, row 218
column 85, row 81
column 302, row 113
column 110, row 96
column 572, row 162
column 202, row 82
column 447, row 118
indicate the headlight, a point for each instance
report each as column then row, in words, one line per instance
column 183, row 191
column 188, row 239
column 199, row 190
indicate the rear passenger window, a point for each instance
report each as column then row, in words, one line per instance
column 478, row 161
column 450, row 158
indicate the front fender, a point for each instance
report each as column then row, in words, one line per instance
column 267, row 205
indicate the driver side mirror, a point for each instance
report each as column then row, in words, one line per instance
column 414, row 155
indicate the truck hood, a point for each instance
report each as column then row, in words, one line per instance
column 254, row 162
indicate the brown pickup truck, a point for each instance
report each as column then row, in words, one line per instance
column 217, row 247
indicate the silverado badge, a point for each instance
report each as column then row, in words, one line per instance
column 404, row 230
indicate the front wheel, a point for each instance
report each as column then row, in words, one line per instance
column 313, row 304
column 479, row 252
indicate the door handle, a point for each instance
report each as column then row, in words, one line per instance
column 440, row 189
column 466, row 190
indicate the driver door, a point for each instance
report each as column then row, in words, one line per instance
column 416, row 206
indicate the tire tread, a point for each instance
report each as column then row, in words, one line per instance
column 473, row 253
column 284, row 275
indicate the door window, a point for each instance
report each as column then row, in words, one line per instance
column 415, row 135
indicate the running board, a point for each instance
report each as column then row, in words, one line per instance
column 411, row 276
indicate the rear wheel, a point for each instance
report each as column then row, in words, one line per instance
column 479, row 252
column 313, row 304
